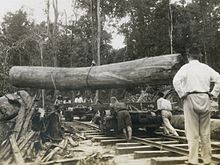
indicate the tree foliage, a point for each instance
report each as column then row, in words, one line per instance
column 146, row 34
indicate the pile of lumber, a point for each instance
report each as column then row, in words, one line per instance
column 19, row 138
column 25, row 146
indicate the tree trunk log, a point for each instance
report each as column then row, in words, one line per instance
column 152, row 71
column 178, row 122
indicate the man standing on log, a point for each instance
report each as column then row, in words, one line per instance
column 192, row 83
column 123, row 117
column 165, row 106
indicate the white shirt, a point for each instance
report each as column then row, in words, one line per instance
column 196, row 77
column 41, row 111
column 58, row 102
column 164, row 104
column 78, row 100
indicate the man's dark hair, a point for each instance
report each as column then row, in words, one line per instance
column 194, row 52
column 160, row 94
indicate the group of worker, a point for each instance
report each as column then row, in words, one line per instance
column 67, row 100
column 192, row 83
column 124, row 118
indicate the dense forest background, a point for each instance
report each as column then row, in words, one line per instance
column 155, row 27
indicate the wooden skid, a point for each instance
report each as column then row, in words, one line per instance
column 99, row 138
column 129, row 150
column 113, row 141
column 150, row 154
column 128, row 144
column 168, row 160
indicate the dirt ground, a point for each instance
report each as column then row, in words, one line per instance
column 95, row 153
column 105, row 155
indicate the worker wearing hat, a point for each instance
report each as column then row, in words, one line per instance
column 192, row 83
column 123, row 117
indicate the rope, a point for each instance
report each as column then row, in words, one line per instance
column 87, row 77
column 53, row 81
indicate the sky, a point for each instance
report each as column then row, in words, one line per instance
column 35, row 10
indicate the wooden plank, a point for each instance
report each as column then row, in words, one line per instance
column 99, row 138
column 179, row 145
column 26, row 138
column 72, row 142
column 113, row 141
column 168, row 160
column 168, row 142
column 16, row 151
column 19, row 121
column 70, row 160
column 150, row 154
column 128, row 144
column 129, row 150
column 94, row 133
column 30, row 112
column 21, row 143
column 93, row 136
column 55, row 150
column 154, row 139
column 216, row 151
column 152, row 70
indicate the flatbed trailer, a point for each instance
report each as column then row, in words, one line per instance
column 142, row 115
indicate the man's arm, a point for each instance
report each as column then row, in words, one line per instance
column 178, row 80
column 215, row 77
column 159, row 105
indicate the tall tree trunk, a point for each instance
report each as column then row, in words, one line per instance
column 93, row 29
column 54, row 38
column 171, row 28
column 48, row 19
column 203, row 9
column 98, row 41
column 41, row 61
column 72, row 31
column 55, row 28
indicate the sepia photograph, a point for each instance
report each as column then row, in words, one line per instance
column 110, row 82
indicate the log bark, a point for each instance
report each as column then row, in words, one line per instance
column 152, row 71
column 178, row 122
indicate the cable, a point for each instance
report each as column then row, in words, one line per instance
column 53, row 81
column 87, row 77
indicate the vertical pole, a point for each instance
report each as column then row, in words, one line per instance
column 98, row 41
column 171, row 28
column 41, row 61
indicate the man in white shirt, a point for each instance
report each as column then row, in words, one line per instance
column 165, row 106
column 192, row 83
column 78, row 99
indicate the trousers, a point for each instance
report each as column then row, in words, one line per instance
column 197, row 126
column 168, row 128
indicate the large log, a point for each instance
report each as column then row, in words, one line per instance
column 178, row 122
column 153, row 70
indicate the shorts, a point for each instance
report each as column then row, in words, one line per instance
column 124, row 119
